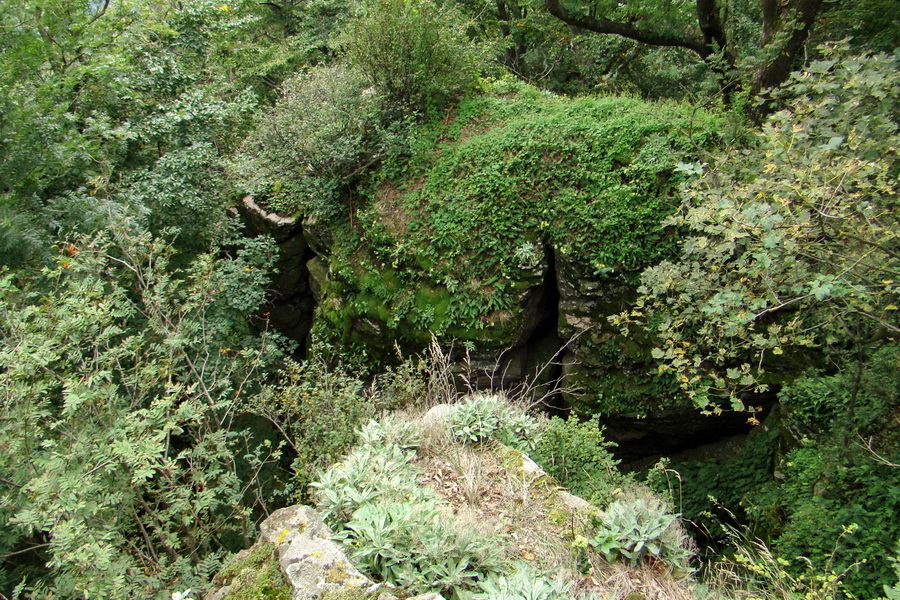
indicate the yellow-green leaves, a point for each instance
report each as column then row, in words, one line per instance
column 793, row 245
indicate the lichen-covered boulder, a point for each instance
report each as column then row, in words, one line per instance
column 295, row 559
column 311, row 563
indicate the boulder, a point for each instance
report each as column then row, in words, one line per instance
column 310, row 562
column 313, row 566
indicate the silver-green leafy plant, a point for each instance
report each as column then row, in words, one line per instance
column 389, row 432
column 396, row 530
column 416, row 545
column 482, row 417
column 367, row 475
column 639, row 529
column 522, row 584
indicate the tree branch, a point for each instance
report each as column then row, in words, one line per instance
column 601, row 25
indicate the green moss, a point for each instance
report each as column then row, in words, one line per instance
column 256, row 576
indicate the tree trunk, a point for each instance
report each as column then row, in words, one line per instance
column 779, row 17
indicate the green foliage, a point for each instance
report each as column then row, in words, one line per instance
column 753, row 571
column 416, row 546
column 704, row 488
column 118, row 111
column 449, row 239
column 826, row 478
column 576, row 454
column 792, row 242
column 413, row 51
column 855, row 400
column 523, row 584
column 542, row 50
column 893, row 592
column 820, row 496
column 307, row 147
column 317, row 409
column 830, row 482
column 481, row 418
column 124, row 469
column 390, row 432
column 639, row 529
column 372, row 472
column 863, row 23
column 632, row 386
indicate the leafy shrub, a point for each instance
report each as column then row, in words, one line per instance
column 829, row 478
column 125, row 471
column 395, row 529
column 389, row 432
column 413, row 51
column 523, row 584
column 475, row 420
column 822, row 403
column 893, row 592
column 481, row 417
column 705, row 487
column 824, row 491
column 752, row 570
column 576, row 454
column 418, row 547
column 639, row 529
column 306, row 148
column 369, row 474
column 762, row 278
column 317, row 409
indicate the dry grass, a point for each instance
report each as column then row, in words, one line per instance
column 644, row 582
column 487, row 487
column 388, row 204
column 485, row 483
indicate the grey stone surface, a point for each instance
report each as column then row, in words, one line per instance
column 310, row 562
column 290, row 304
column 318, row 235
column 437, row 414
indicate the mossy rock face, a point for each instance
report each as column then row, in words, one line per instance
column 517, row 201
column 318, row 275
column 369, row 303
column 254, row 576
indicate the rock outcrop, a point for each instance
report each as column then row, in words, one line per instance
column 511, row 240
column 311, row 565
column 290, row 306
